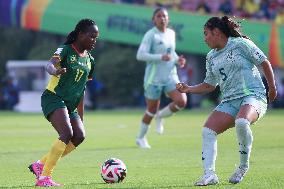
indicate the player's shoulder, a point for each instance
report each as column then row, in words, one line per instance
column 210, row 54
column 242, row 42
column 170, row 30
column 150, row 32
column 61, row 48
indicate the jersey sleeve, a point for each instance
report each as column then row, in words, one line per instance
column 60, row 53
column 253, row 52
column 210, row 78
column 92, row 71
column 143, row 52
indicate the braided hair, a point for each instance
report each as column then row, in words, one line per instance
column 82, row 26
column 227, row 25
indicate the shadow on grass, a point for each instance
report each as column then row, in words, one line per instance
column 120, row 185
column 19, row 186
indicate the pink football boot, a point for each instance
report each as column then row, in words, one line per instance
column 36, row 168
column 47, row 182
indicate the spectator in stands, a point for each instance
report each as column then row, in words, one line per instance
column 10, row 93
column 203, row 7
column 279, row 20
column 226, row 7
column 263, row 12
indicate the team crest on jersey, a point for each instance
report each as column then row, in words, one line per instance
column 73, row 58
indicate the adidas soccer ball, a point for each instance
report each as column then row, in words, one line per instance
column 113, row 170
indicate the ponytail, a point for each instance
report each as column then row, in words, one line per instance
column 72, row 36
column 227, row 25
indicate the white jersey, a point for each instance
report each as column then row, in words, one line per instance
column 155, row 44
column 234, row 69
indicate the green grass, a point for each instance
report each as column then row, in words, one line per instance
column 173, row 162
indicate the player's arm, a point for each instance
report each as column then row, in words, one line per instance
column 197, row 89
column 51, row 69
column 143, row 53
column 269, row 76
column 80, row 107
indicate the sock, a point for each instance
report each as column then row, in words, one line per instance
column 165, row 112
column 209, row 149
column 69, row 148
column 43, row 159
column 245, row 139
column 54, row 155
column 143, row 130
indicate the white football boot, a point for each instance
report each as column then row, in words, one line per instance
column 209, row 178
column 238, row 175
column 143, row 143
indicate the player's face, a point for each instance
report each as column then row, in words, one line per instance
column 210, row 38
column 161, row 19
column 89, row 38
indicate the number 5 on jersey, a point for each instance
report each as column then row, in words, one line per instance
column 221, row 70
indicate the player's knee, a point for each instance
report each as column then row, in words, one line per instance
column 242, row 122
column 81, row 137
column 66, row 135
column 150, row 114
column 179, row 105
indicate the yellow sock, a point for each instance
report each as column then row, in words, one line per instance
column 54, row 155
column 43, row 159
column 69, row 148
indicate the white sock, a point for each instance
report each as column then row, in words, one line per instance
column 143, row 130
column 245, row 139
column 165, row 112
column 38, row 161
column 41, row 177
column 209, row 149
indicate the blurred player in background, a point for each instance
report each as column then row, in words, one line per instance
column 62, row 102
column 157, row 49
column 231, row 64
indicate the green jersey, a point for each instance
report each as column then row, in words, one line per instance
column 70, row 86
column 234, row 69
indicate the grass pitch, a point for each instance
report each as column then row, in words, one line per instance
column 173, row 162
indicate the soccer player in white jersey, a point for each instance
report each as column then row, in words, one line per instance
column 157, row 49
column 232, row 64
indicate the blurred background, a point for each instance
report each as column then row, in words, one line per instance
column 31, row 31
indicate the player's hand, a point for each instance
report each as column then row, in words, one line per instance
column 60, row 71
column 181, row 61
column 272, row 94
column 166, row 57
column 182, row 87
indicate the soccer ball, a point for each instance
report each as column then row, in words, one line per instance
column 113, row 170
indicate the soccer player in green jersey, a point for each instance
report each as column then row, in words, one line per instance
column 71, row 67
column 232, row 64
column 157, row 49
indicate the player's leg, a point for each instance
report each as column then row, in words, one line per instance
column 179, row 101
column 78, row 137
column 79, row 133
column 152, row 106
column 152, row 95
column 217, row 123
column 59, row 119
column 252, row 108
